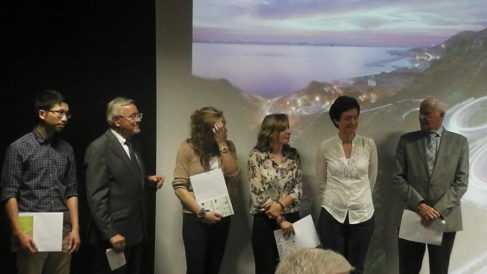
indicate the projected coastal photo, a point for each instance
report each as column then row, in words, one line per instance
column 297, row 56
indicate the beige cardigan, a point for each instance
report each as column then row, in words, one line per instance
column 188, row 164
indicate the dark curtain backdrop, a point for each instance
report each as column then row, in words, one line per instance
column 91, row 51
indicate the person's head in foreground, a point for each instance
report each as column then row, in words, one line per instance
column 314, row 261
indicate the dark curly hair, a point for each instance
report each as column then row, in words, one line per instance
column 202, row 140
column 342, row 104
column 272, row 124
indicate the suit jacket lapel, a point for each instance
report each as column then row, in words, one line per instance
column 421, row 145
column 117, row 148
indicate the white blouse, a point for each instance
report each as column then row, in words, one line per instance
column 346, row 185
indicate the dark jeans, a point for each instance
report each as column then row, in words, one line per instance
column 204, row 244
column 411, row 255
column 133, row 257
column 350, row 240
column 264, row 244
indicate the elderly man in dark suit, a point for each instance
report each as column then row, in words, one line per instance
column 431, row 178
column 116, row 187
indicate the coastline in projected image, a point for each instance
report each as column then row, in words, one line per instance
column 273, row 70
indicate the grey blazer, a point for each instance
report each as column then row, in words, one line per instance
column 116, row 192
column 448, row 181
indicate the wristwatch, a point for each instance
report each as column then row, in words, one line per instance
column 223, row 149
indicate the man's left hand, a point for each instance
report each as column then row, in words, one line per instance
column 74, row 241
column 158, row 180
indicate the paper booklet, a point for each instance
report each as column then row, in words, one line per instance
column 305, row 236
column 211, row 191
column 45, row 228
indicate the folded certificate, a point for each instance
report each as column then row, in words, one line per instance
column 413, row 230
column 45, row 228
column 305, row 236
column 115, row 259
column 211, row 191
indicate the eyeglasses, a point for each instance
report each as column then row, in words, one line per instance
column 61, row 113
column 133, row 117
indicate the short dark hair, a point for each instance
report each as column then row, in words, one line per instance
column 46, row 99
column 342, row 104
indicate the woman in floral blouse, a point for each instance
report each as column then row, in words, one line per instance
column 275, row 176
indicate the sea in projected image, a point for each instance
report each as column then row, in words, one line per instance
column 270, row 70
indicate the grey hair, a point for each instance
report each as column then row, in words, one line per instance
column 314, row 261
column 114, row 106
column 435, row 103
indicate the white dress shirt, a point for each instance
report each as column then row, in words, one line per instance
column 346, row 184
column 122, row 140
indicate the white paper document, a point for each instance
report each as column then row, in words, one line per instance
column 305, row 237
column 46, row 229
column 211, row 191
column 412, row 230
column 115, row 259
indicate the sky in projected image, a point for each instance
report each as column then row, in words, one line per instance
column 274, row 47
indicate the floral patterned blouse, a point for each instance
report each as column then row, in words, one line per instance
column 270, row 181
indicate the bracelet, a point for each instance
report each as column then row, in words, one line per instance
column 282, row 206
column 280, row 219
column 201, row 214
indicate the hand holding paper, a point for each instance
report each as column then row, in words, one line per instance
column 212, row 217
column 287, row 228
column 427, row 212
column 413, row 229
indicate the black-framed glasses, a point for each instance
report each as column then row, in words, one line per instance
column 60, row 113
column 133, row 117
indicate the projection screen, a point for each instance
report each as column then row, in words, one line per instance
column 252, row 58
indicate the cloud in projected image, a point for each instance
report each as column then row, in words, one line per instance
column 367, row 23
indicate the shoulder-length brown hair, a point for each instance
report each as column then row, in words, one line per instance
column 271, row 125
column 202, row 138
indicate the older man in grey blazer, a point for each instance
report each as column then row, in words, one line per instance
column 116, row 188
column 431, row 177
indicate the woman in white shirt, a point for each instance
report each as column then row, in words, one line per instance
column 346, row 170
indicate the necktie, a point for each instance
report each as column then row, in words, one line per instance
column 133, row 158
column 431, row 147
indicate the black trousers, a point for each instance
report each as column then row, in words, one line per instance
column 133, row 257
column 264, row 244
column 411, row 255
column 204, row 244
column 350, row 240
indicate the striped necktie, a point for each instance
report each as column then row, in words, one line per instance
column 431, row 149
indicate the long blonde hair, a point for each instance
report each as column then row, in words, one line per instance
column 271, row 125
column 202, row 138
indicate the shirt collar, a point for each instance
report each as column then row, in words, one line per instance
column 41, row 138
column 439, row 131
column 119, row 137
